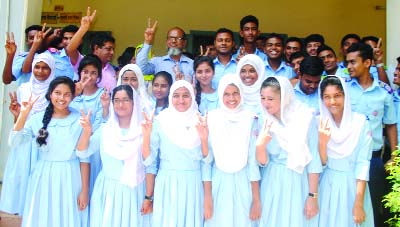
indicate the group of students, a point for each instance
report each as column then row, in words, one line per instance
column 242, row 151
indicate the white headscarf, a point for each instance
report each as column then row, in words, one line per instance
column 292, row 129
column 141, row 90
column 344, row 138
column 251, row 94
column 230, row 130
column 36, row 87
column 126, row 146
column 180, row 126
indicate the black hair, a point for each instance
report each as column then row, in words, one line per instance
column 330, row 80
column 365, row 50
column 324, row 48
column 168, row 77
column 248, row 19
column 43, row 133
column 262, row 38
column 199, row 60
column 297, row 54
column 312, row 65
column 370, row 38
column 271, row 82
column 93, row 60
column 100, row 38
column 314, row 38
column 349, row 36
column 224, row 30
column 34, row 27
column 126, row 57
column 123, row 87
column 69, row 28
column 294, row 39
column 274, row 35
column 398, row 60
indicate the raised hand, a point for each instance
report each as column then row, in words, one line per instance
column 324, row 131
column 150, row 32
column 26, row 106
column 80, row 86
column 178, row 74
column 57, row 32
column 202, row 51
column 202, row 127
column 147, row 123
column 378, row 52
column 14, row 107
column 265, row 136
column 241, row 53
column 40, row 36
column 84, row 121
column 88, row 19
column 11, row 48
column 105, row 99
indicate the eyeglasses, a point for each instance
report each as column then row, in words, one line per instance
column 121, row 101
column 174, row 38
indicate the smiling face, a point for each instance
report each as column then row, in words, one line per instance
column 396, row 78
column 160, row 87
column 356, row 65
column 248, row 75
column 231, row 97
column 123, row 104
column 224, row 43
column 89, row 73
column 41, row 71
column 181, row 99
column 250, row 32
column 329, row 59
column 204, row 74
column 271, row 101
column 129, row 77
column 274, row 48
column 312, row 48
column 291, row 47
column 61, row 97
column 333, row 98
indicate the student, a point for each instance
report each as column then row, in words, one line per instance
column 275, row 65
column 89, row 71
column 15, row 180
column 345, row 147
column 251, row 71
column 288, row 150
column 132, row 75
column 292, row 45
column 235, row 173
column 206, row 95
column 161, row 84
column 120, row 195
column 312, row 42
column 331, row 65
column 58, row 187
column 178, row 191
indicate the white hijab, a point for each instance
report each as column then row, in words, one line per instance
column 292, row 130
column 36, row 87
column 180, row 127
column 344, row 138
column 230, row 130
column 141, row 90
column 126, row 147
column 251, row 94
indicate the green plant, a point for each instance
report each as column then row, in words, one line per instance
column 392, row 200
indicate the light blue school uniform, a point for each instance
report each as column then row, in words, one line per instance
column 232, row 192
column 337, row 191
column 93, row 103
column 220, row 70
column 63, row 63
column 283, row 70
column 164, row 63
column 396, row 102
column 373, row 70
column 310, row 100
column 284, row 191
column 178, row 191
column 208, row 102
column 340, row 72
column 113, row 203
column 376, row 103
column 55, row 181
column 19, row 76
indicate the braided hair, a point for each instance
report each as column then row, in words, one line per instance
column 43, row 133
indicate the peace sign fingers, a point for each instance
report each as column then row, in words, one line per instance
column 150, row 32
column 84, row 121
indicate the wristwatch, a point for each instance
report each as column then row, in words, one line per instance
column 313, row 195
column 150, row 198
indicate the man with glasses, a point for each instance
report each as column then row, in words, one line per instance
column 103, row 46
column 175, row 63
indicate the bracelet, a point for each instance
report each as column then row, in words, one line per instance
column 150, row 198
column 380, row 65
column 313, row 195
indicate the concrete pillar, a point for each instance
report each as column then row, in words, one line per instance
column 392, row 32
